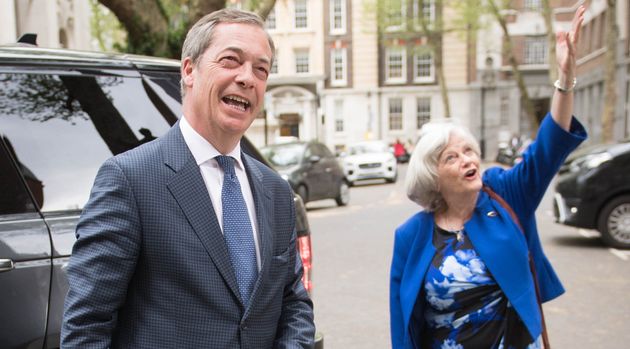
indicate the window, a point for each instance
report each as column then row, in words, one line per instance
column 427, row 13
column 270, row 22
column 337, row 16
column 301, row 14
column 339, row 115
column 301, row 61
column 395, row 113
column 535, row 5
column 535, row 50
column 423, row 66
column 423, row 111
column 338, row 67
column 395, row 64
column 394, row 14
column 74, row 123
column 15, row 199
column 274, row 65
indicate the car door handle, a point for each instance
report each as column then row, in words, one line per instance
column 328, row 169
column 6, row 265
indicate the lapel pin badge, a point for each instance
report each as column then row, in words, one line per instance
column 491, row 214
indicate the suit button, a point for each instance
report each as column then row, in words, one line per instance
column 243, row 327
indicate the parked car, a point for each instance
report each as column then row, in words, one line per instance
column 369, row 160
column 62, row 114
column 311, row 169
column 593, row 192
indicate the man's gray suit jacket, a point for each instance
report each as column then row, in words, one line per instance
column 150, row 267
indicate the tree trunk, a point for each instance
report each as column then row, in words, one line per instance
column 146, row 24
column 264, row 7
column 551, row 40
column 610, row 80
column 526, row 102
column 439, row 71
column 201, row 8
column 434, row 37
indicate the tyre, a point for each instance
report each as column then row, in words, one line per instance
column 343, row 194
column 303, row 193
column 614, row 222
column 393, row 179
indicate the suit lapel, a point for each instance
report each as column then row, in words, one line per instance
column 190, row 192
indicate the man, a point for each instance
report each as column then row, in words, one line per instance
column 186, row 242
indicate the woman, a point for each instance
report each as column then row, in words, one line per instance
column 460, row 275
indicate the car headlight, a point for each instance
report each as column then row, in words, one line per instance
column 349, row 165
column 590, row 161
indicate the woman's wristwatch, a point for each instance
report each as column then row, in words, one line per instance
column 565, row 89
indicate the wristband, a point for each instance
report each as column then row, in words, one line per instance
column 565, row 89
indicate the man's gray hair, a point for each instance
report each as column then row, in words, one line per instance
column 421, row 181
column 200, row 35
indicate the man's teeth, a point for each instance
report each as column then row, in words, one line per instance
column 238, row 100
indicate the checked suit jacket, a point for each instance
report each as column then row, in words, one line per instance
column 150, row 267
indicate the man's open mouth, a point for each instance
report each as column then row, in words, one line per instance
column 236, row 102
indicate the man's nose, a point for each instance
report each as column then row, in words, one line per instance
column 245, row 76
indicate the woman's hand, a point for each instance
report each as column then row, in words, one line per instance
column 566, row 52
column 566, row 49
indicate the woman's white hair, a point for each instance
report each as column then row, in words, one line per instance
column 421, row 181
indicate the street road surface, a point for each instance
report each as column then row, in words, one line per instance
column 352, row 248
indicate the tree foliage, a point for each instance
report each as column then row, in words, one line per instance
column 404, row 21
column 158, row 27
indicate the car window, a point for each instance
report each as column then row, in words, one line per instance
column 166, row 87
column 324, row 151
column 368, row 147
column 15, row 198
column 62, row 128
column 284, row 155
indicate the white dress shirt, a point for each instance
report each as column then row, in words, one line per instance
column 204, row 154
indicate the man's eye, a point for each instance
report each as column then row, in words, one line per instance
column 262, row 72
column 230, row 61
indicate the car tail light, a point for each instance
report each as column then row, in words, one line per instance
column 304, row 248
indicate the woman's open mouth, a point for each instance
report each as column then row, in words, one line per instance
column 470, row 174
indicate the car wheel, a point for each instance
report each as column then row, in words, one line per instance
column 393, row 179
column 343, row 194
column 303, row 193
column 614, row 222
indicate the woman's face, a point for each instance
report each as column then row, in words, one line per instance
column 458, row 168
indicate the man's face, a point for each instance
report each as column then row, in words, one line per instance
column 225, row 89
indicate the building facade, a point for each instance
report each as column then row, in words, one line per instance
column 501, row 114
column 57, row 23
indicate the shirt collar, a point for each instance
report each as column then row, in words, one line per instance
column 201, row 149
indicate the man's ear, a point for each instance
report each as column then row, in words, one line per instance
column 187, row 72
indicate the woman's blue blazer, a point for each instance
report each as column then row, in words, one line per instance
column 496, row 238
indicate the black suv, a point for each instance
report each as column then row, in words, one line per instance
column 62, row 114
column 593, row 192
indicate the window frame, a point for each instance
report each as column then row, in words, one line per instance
column 403, row 65
column 344, row 67
column 431, row 63
column 423, row 115
column 333, row 30
column 303, row 14
column 302, row 53
column 391, row 114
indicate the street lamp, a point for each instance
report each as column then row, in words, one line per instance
column 487, row 83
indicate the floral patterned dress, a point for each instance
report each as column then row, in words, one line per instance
column 464, row 306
